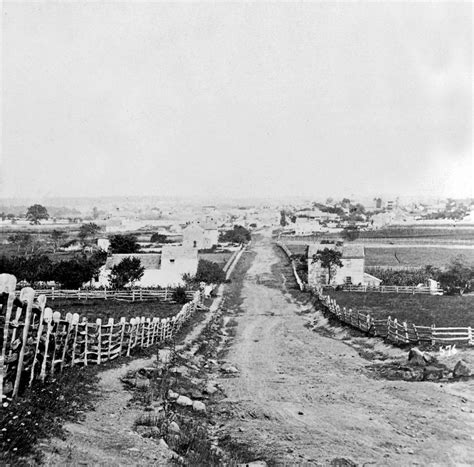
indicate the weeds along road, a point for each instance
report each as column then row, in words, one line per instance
column 301, row 397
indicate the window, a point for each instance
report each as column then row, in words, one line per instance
column 348, row 280
column 172, row 260
column 194, row 244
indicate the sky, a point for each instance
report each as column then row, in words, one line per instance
column 236, row 99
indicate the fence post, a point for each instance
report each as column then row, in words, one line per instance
column 56, row 320
column 395, row 321
column 111, row 332
column 406, row 332
column 7, row 286
column 27, row 295
column 432, row 334
column 38, row 339
column 133, row 295
column 69, row 317
column 166, row 294
column 130, row 338
column 48, row 318
column 105, row 293
column 141, row 294
column 52, row 293
column 75, row 323
column 86, row 339
column 98, row 322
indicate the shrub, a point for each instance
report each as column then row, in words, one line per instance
column 179, row 295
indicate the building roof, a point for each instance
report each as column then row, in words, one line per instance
column 348, row 251
column 147, row 260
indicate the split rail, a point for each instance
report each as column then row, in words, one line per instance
column 36, row 342
column 394, row 330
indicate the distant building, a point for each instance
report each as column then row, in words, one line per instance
column 351, row 272
column 161, row 270
column 200, row 235
column 103, row 244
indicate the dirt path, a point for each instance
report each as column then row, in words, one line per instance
column 309, row 398
column 106, row 436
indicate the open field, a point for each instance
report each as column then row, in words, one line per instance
column 423, row 310
column 414, row 257
column 104, row 309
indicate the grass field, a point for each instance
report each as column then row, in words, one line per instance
column 219, row 258
column 424, row 310
column 414, row 256
column 104, row 309
column 406, row 257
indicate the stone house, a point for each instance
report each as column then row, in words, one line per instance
column 351, row 272
column 200, row 235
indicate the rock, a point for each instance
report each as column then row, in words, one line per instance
column 180, row 370
column 164, row 355
column 415, row 356
column 432, row 373
column 210, row 389
column 228, row 368
column 163, row 444
column 174, row 427
column 142, row 383
column 172, row 395
column 196, row 394
column 184, row 401
column 461, row 369
column 147, row 372
column 199, row 406
column 428, row 358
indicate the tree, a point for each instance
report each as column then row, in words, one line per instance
column 159, row 238
column 283, row 221
column 238, row 234
column 57, row 236
column 73, row 273
column 124, row 244
column 88, row 230
column 95, row 212
column 126, row 272
column 351, row 233
column 457, row 278
column 329, row 259
column 36, row 213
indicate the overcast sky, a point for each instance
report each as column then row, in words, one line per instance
column 312, row 99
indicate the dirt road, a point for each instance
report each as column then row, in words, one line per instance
column 305, row 398
column 106, row 436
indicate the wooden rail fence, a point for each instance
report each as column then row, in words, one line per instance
column 407, row 289
column 35, row 341
column 392, row 329
column 126, row 294
column 287, row 252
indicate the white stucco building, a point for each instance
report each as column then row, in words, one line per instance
column 163, row 270
column 200, row 235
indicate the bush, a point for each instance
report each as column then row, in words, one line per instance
column 124, row 244
column 179, row 295
column 209, row 272
column 238, row 234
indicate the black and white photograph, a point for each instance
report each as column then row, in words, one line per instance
column 236, row 233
